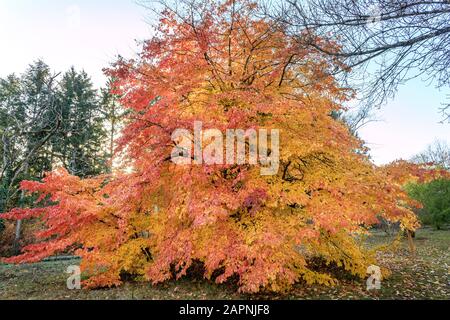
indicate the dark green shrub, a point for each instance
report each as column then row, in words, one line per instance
column 435, row 198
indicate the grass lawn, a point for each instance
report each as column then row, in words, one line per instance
column 425, row 277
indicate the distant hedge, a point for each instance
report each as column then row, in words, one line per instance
column 435, row 197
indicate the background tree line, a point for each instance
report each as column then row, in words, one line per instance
column 48, row 120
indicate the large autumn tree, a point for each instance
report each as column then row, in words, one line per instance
column 222, row 65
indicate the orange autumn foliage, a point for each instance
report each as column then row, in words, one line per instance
column 228, row 69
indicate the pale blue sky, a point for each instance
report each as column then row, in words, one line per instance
column 89, row 34
column 85, row 33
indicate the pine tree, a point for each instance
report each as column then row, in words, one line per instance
column 114, row 115
column 78, row 146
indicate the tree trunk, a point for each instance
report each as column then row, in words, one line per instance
column 411, row 244
column 16, row 243
column 18, row 233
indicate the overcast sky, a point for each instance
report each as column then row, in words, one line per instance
column 90, row 33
